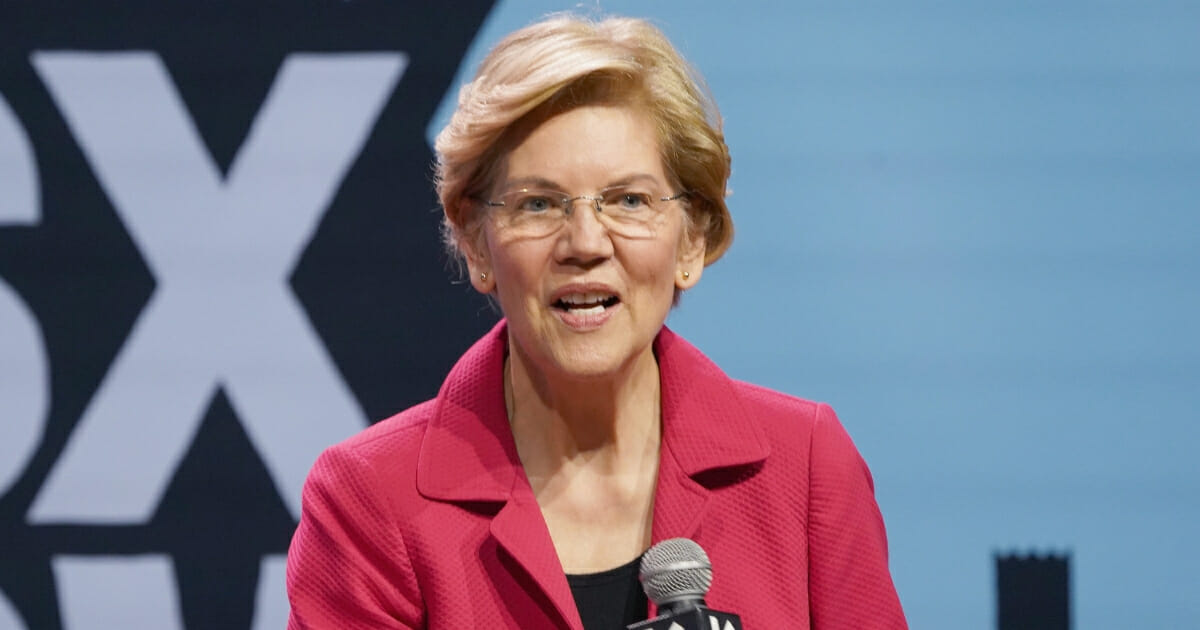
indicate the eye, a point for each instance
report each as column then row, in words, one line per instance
column 627, row 200
column 536, row 202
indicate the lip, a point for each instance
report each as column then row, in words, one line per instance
column 579, row 322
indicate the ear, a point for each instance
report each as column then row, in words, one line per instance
column 479, row 266
column 690, row 263
column 481, row 278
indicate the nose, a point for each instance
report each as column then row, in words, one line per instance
column 586, row 240
column 569, row 204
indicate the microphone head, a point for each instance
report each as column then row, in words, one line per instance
column 675, row 570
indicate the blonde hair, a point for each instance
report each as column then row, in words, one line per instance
column 566, row 61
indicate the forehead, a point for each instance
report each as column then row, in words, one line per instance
column 591, row 146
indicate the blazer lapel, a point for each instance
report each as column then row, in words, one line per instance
column 521, row 531
column 468, row 456
column 705, row 427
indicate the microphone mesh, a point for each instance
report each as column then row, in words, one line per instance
column 675, row 569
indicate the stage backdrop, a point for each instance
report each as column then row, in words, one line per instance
column 219, row 255
column 972, row 227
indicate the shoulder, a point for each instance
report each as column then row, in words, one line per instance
column 783, row 416
column 348, row 533
column 778, row 406
column 386, row 449
column 803, row 432
column 399, row 433
column 696, row 389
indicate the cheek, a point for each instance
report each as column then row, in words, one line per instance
column 518, row 273
column 654, row 269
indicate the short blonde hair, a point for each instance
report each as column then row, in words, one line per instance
column 565, row 61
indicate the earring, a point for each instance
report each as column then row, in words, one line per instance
column 483, row 277
column 686, row 275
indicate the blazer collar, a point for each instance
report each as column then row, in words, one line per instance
column 468, row 452
column 705, row 425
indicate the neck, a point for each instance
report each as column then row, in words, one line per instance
column 610, row 423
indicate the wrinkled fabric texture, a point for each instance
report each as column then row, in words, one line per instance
column 426, row 519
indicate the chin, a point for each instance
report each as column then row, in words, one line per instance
column 597, row 358
column 588, row 364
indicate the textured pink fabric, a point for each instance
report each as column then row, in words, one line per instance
column 426, row 520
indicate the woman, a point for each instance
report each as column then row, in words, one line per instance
column 583, row 181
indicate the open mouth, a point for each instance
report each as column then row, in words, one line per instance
column 586, row 303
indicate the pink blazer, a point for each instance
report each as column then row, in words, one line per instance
column 426, row 520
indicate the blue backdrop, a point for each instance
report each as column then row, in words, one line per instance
column 974, row 228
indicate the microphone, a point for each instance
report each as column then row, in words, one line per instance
column 676, row 575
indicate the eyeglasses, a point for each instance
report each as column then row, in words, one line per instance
column 534, row 212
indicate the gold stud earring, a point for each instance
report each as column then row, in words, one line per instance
column 483, row 277
column 686, row 275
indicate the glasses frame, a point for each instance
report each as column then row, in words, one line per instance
column 614, row 223
column 568, row 202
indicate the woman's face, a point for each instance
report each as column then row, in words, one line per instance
column 585, row 300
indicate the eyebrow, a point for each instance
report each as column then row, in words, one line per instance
column 535, row 181
column 532, row 181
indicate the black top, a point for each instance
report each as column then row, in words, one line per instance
column 610, row 600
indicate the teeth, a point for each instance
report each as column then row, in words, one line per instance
column 591, row 310
column 586, row 298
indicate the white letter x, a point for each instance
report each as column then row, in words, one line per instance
column 221, row 250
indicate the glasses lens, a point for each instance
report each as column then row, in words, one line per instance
column 530, row 212
column 631, row 212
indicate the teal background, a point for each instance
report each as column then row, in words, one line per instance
column 974, row 228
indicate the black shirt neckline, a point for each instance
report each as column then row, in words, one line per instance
column 610, row 599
